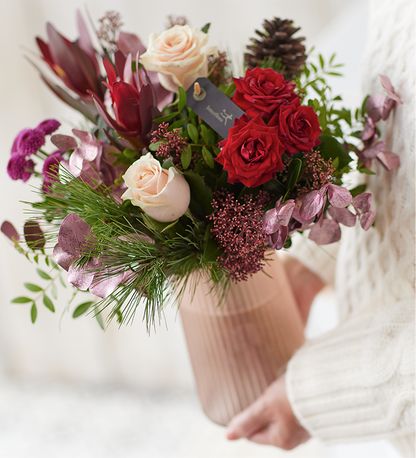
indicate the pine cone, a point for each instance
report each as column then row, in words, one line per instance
column 277, row 45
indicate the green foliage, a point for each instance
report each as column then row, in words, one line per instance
column 331, row 148
column 48, row 303
column 358, row 190
column 206, row 27
column 33, row 313
column 21, row 300
column 81, row 309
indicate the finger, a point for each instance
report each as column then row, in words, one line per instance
column 248, row 422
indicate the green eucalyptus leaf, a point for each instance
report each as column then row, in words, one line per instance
column 193, row 133
column 293, row 173
column 48, row 303
column 32, row 287
column 21, row 300
column 166, row 118
column 81, row 309
column 182, row 98
column 209, row 160
column 186, row 157
column 33, row 313
column 43, row 274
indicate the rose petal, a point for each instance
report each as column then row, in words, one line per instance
column 329, row 232
column 367, row 219
column 389, row 160
column 339, row 196
column 362, row 202
column 343, row 216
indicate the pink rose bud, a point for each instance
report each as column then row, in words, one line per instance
column 162, row 194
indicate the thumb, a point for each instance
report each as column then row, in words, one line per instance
column 249, row 421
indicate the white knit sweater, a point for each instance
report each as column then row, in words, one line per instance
column 357, row 382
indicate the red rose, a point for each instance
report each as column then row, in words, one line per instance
column 262, row 91
column 251, row 153
column 298, row 127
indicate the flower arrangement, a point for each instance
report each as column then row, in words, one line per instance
column 154, row 193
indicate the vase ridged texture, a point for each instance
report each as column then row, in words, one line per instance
column 242, row 346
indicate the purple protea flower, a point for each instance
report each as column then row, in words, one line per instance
column 48, row 126
column 28, row 142
column 19, row 168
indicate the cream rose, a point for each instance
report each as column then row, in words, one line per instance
column 178, row 55
column 162, row 194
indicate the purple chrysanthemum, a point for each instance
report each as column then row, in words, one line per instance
column 28, row 142
column 19, row 168
column 48, row 126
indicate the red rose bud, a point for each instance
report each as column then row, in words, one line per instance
column 252, row 152
column 298, row 127
column 262, row 91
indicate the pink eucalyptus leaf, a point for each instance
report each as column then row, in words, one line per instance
column 285, row 211
column 339, row 196
column 75, row 235
column 34, row 236
column 362, row 202
column 64, row 142
column 369, row 129
column 278, row 239
column 389, row 160
column 374, row 106
column 385, row 81
column 387, row 107
column 311, row 205
column 270, row 221
column 90, row 145
column 343, row 216
column 328, row 232
column 372, row 151
column 296, row 215
column 103, row 286
column 367, row 219
column 62, row 258
column 81, row 278
column 10, row 231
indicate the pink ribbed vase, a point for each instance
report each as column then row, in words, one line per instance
column 241, row 347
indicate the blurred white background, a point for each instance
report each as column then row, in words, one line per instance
column 71, row 390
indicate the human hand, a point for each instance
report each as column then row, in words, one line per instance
column 269, row 420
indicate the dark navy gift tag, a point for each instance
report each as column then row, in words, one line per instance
column 214, row 107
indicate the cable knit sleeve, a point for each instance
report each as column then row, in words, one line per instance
column 357, row 381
